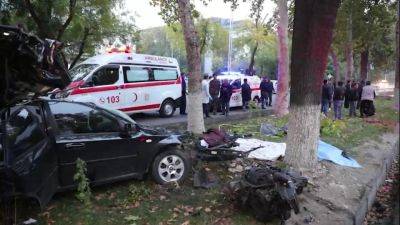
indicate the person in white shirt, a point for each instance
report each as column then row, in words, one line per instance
column 205, row 90
column 367, row 100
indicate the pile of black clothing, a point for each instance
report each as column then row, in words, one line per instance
column 268, row 192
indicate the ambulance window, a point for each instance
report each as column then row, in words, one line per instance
column 105, row 76
column 165, row 74
column 136, row 74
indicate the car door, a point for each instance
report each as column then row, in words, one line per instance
column 93, row 135
column 30, row 153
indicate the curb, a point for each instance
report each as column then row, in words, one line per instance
column 369, row 195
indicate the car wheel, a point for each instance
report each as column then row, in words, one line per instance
column 170, row 166
column 167, row 108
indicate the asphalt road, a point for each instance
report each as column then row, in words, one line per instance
column 153, row 119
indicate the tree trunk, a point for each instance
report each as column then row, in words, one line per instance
column 281, row 107
column 364, row 65
column 195, row 112
column 349, row 49
column 397, row 73
column 252, row 59
column 314, row 21
column 336, row 65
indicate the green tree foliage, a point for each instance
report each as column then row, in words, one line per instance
column 81, row 25
column 372, row 27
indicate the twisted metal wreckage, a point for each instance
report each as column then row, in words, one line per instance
column 29, row 67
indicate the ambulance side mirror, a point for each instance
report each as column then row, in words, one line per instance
column 88, row 83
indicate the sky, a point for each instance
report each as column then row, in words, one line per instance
column 146, row 16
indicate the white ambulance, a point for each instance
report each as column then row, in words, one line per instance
column 128, row 82
column 236, row 80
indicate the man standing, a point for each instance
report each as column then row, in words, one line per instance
column 264, row 92
column 225, row 96
column 352, row 99
column 205, row 95
column 215, row 86
column 182, row 107
column 338, row 98
column 367, row 100
column 326, row 97
column 246, row 94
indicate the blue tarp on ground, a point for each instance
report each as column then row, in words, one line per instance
column 333, row 154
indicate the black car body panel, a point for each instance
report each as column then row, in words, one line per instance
column 44, row 138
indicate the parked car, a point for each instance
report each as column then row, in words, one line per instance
column 42, row 139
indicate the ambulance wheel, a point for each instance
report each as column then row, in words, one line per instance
column 167, row 108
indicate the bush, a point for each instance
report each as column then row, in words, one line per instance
column 331, row 127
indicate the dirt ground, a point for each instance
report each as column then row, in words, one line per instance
column 337, row 194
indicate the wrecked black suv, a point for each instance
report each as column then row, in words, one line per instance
column 42, row 139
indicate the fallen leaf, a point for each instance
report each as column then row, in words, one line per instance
column 187, row 222
column 207, row 210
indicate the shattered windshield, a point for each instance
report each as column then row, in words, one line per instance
column 81, row 71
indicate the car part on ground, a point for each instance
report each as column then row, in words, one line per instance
column 268, row 192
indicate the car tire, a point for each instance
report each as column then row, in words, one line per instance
column 170, row 166
column 167, row 108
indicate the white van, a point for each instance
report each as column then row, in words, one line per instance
column 236, row 80
column 129, row 82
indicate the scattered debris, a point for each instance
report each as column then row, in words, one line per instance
column 271, row 130
column 268, row 192
column 29, row 221
column 204, row 179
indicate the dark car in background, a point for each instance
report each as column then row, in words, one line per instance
column 42, row 139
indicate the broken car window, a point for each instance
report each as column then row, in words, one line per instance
column 23, row 131
column 74, row 118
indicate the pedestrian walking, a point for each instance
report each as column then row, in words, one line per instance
column 225, row 96
column 352, row 99
column 246, row 94
column 326, row 97
column 367, row 100
column 338, row 99
column 205, row 95
column 215, row 86
column 182, row 106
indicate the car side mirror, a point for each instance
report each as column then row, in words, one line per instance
column 125, row 130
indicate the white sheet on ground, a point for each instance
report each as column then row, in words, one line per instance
column 272, row 151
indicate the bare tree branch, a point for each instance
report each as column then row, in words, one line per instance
column 72, row 5
column 86, row 33
column 35, row 17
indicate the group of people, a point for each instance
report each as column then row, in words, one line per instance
column 354, row 95
column 217, row 94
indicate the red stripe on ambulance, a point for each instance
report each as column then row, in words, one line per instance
column 143, row 107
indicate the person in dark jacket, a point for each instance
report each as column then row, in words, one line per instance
column 215, row 86
column 352, row 98
column 246, row 94
column 346, row 96
column 182, row 107
column 338, row 98
column 267, row 88
column 360, row 88
column 225, row 96
column 326, row 97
